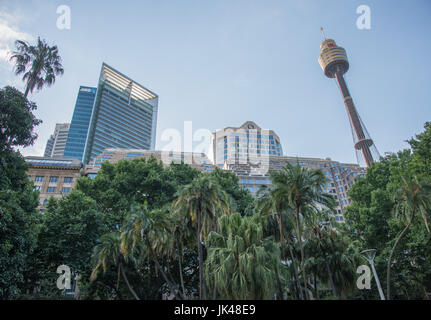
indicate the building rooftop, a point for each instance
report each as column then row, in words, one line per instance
column 52, row 162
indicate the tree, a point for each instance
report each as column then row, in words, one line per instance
column 69, row 230
column 370, row 222
column 241, row 263
column 39, row 64
column 149, row 231
column 421, row 147
column 242, row 198
column 107, row 252
column 117, row 187
column 411, row 198
column 332, row 257
column 202, row 200
column 17, row 121
column 18, row 199
column 301, row 189
column 279, row 223
column 18, row 232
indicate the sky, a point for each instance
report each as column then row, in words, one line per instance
column 223, row 62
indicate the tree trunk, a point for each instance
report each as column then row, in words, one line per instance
column 298, row 284
column 118, row 277
column 302, row 253
column 388, row 274
column 202, row 293
column 315, row 286
column 215, row 291
column 127, row 282
column 27, row 89
column 280, row 289
column 180, row 258
column 159, row 267
column 331, row 279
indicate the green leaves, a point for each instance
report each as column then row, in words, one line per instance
column 39, row 64
column 17, row 121
column 240, row 263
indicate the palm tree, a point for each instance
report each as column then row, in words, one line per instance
column 411, row 197
column 318, row 247
column 108, row 252
column 302, row 189
column 275, row 213
column 202, row 200
column 40, row 64
column 331, row 259
column 149, row 233
column 184, row 237
column 241, row 264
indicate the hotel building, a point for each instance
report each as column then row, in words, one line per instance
column 252, row 152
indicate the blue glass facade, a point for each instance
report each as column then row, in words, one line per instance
column 124, row 115
column 80, row 121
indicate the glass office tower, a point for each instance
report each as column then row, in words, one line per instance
column 124, row 115
column 80, row 121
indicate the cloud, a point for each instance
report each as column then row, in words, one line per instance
column 9, row 32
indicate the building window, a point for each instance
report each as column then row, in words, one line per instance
column 51, row 189
column 53, row 179
column 66, row 190
column 38, row 179
column 68, row 179
column 45, row 202
column 37, row 188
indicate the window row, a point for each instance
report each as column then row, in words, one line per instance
column 53, row 179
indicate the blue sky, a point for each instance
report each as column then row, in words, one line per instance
column 221, row 63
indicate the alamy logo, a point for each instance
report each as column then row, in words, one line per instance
column 64, row 20
column 364, row 20
column 63, row 281
column 364, row 280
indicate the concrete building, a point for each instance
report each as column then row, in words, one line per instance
column 53, row 177
column 124, row 115
column 57, row 141
column 196, row 160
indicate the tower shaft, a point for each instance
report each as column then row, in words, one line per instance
column 362, row 143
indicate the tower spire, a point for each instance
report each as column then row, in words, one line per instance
column 323, row 33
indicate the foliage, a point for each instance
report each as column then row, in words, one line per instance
column 70, row 228
column 373, row 219
column 18, row 200
column 17, row 121
column 241, row 263
column 39, row 64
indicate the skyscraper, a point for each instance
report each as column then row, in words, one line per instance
column 57, row 141
column 334, row 63
column 124, row 115
column 80, row 121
